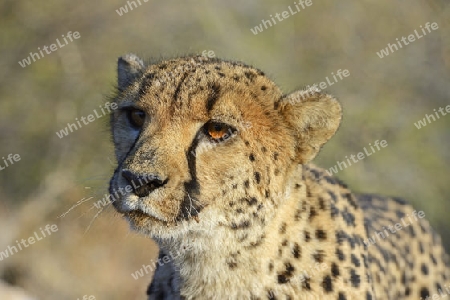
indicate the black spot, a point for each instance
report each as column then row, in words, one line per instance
column 282, row 279
column 354, row 278
column 257, row 177
column 271, row 266
column 342, row 296
column 400, row 214
column 250, row 75
column 319, row 256
column 333, row 196
column 275, row 156
column 407, row 291
column 316, row 173
column 321, row 203
column 433, row 259
column 297, row 186
column 335, row 270
column 340, row 255
column 232, row 265
column 348, row 217
column 334, row 211
column 305, row 284
column 351, row 199
column 421, row 249
column 282, row 228
column 424, row 269
column 247, row 184
column 289, row 269
column 321, row 234
column 243, row 225
column 341, row 236
column 250, row 201
column 263, row 88
column 424, row 292
column 304, row 206
column 403, row 278
column 312, row 212
column 327, row 284
column 307, row 236
column 411, row 231
column 251, row 157
column 296, row 251
column 263, row 149
column 355, row 260
column 368, row 296
column 221, row 74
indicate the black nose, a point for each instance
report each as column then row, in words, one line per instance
column 143, row 185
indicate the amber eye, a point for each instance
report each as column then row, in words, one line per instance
column 218, row 131
column 136, row 117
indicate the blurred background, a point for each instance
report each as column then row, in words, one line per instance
column 93, row 253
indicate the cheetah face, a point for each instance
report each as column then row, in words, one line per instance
column 195, row 136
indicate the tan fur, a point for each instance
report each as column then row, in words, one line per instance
column 247, row 215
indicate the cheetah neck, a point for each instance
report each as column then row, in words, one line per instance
column 226, row 259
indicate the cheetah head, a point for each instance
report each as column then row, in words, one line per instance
column 203, row 142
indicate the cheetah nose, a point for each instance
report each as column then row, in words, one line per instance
column 143, row 185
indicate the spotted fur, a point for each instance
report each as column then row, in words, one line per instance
column 250, row 217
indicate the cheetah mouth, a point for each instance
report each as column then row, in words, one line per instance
column 137, row 213
column 138, row 216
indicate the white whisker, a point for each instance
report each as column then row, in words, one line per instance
column 75, row 205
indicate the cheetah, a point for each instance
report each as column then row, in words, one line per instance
column 214, row 164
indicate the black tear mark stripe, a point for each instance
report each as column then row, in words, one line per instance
column 189, row 207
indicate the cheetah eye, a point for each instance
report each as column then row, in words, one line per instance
column 218, row 131
column 136, row 117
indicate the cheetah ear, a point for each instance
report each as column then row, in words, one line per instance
column 314, row 118
column 129, row 67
